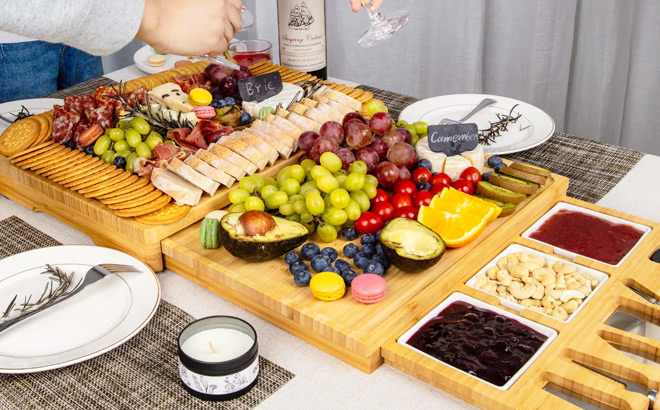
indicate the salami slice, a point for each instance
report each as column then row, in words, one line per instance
column 140, row 94
column 88, row 105
column 64, row 123
column 74, row 103
column 104, row 116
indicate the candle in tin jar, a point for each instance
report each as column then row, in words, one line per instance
column 217, row 345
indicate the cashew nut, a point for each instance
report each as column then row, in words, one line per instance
column 586, row 290
column 503, row 277
column 548, row 301
column 502, row 290
column 490, row 287
column 559, row 313
column 520, row 291
column 480, row 281
column 492, row 272
column 571, row 305
column 546, row 276
column 570, row 294
column 502, row 263
column 518, row 271
column 531, row 266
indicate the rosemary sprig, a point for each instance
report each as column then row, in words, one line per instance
column 488, row 135
column 23, row 113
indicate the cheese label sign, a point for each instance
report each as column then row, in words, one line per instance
column 260, row 87
column 453, row 139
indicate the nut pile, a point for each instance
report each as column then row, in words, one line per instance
column 553, row 288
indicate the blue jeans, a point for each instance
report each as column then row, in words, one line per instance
column 33, row 69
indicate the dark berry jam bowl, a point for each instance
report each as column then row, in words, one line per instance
column 464, row 333
column 515, row 248
column 218, row 358
column 573, row 230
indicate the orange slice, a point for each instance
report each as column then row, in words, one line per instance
column 456, row 229
column 455, row 201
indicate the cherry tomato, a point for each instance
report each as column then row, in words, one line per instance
column 384, row 209
column 422, row 198
column 368, row 222
column 421, row 175
column 439, row 187
column 381, row 196
column 405, row 187
column 406, row 212
column 463, row 185
column 440, row 178
column 471, row 174
column 401, row 200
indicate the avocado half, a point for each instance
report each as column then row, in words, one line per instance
column 258, row 236
column 411, row 246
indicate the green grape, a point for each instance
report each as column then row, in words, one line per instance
column 317, row 171
column 141, row 125
column 296, row 197
column 369, row 189
column 258, row 180
column 270, row 181
column 339, row 198
column 123, row 124
column 254, row 203
column 327, row 232
column 248, row 184
column 315, row 204
column 299, row 206
column 353, row 210
column 401, row 123
column 297, row 172
column 420, row 127
column 290, row 186
column 309, row 225
column 238, row 196
column 361, row 199
column 115, row 134
column 282, row 175
column 415, row 139
column 307, row 187
column 334, row 216
column 359, row 167
column 371, row 179
column 307, row 164
column 121, row 145
column 330, row 161
column 354, row 181
column 306, row 217
column 238, row 208
column 133, row 138
column 287, row 209
column 107, row 156
column 327, row 183
column 143, row 150
column 326, row 201
column 293, row 217
column 341, row 179
column 130, row 161
column 338, row 173
column 276, row 199
column 267, row 191
column 153, row 139
column 410, row 129
column 101, row 145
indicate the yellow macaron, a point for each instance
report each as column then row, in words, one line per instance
column 327, row 286
column 199, row 96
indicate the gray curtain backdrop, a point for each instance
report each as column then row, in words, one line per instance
column 593, row 65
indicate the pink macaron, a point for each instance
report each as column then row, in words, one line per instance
column 368, row 288
column 204, row 112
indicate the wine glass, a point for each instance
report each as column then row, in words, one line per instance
column 248, row 18
column 382, row 27
column 248, row 21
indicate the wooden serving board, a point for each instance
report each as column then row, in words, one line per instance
column 351, row 331
column 586, row 338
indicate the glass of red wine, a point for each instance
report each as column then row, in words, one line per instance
column 250, row 52
column 382, row 27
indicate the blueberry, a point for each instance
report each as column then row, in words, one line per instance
column 369, row 250
column 368, row 238
column 309, row 250
column 494, row 160
column 342, row 265
column 331, row 253
column 69, row 144
column 423, row 186
column 348, row 277
column 379, row 250
column 302, row 278
column 119, row 162
column 292, row 257
column 350, row 250
column 349, row 233
column 498, row 167
column 361, row 260
column 215, row 103
column 298, row 266
column 486, row 175
column 230, row 100
column 375, row 268
column 425, row 163
column 382, row 260
column 333, row 269
column 320, row 263
column 245, row 118
column 223, row 103
column 378, row 235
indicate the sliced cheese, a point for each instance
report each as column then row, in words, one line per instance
column 476, row 157
column 183, row 192
column 171, row 115
column 171, row 96
column 186, row 172
column 437, row 159
column 454, row 165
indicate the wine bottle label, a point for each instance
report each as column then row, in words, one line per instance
column 302, row 34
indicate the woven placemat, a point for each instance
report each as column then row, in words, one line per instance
column 86, row 87
column 592, row 167
column 140, row 374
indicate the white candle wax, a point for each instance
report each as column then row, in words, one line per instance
column 217, row 345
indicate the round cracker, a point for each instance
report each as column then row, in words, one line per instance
column 94, row 179
column 19, row 136
column 365, row 96
column 145, row 209
column 115, row 187
column 141, row 200
column 80, row 171
column 170, row 213
column 77, row 163
column 108, row 183
column 76, row 157
column 142, row 182
column 32, row 151
column 26, row 163
column 43, row 122
column 62, row 156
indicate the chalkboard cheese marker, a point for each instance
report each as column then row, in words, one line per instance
column 453, row 139
column 260, row 87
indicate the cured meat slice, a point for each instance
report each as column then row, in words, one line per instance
column 140, row 94
column 64, row 123
column 165, row 151
column 104, row 116
column 189, row 81
column 180, row 136
column 74, row 103
column 88, row 105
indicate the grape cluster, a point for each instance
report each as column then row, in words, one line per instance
column 224, row 82
column 123, row 145
column 322, row 197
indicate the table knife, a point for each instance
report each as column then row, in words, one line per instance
column 628, row 385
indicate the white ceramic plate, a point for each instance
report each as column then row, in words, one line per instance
column 99, row 318
column 140, row 58
column 35, row 106
column 537, row 126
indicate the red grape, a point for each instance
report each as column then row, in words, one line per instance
column 402, row 155
column 387, row 174
column 216, row 73
column 380, row 146
column 217, row 93
column 352, row 116
column 358, row 135
column 306, row 140
column 334, row 130
column 391, row 137
column 369, row 156
column 404, row 173
column 325, row 144
column 380, row 123
column 346, row 156
column 407, row 137
column 244, row 72
column 228, row 85
column 314, row 155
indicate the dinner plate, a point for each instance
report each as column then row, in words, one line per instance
column 35, row 106
column 101, row 317
column 140, row 58
column 532, row 129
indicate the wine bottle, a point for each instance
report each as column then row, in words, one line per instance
column 301, row 26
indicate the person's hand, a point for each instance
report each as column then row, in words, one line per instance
column 190, row 28
column 356, row 4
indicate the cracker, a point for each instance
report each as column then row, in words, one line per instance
column 75, row 158
column 43, row 122
column 62, row 156
column 141, row 183
column 26, row 163
column 80, row 171
column 77, row 163
column 94, row 179
column 19, row 136
column 111, row 188
column 141, row 200
column 32, row 151
column 49, row 131
column 365, row 96
column 109, row 183
column 145, row 209
column 170, row 213
column 129, row 196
